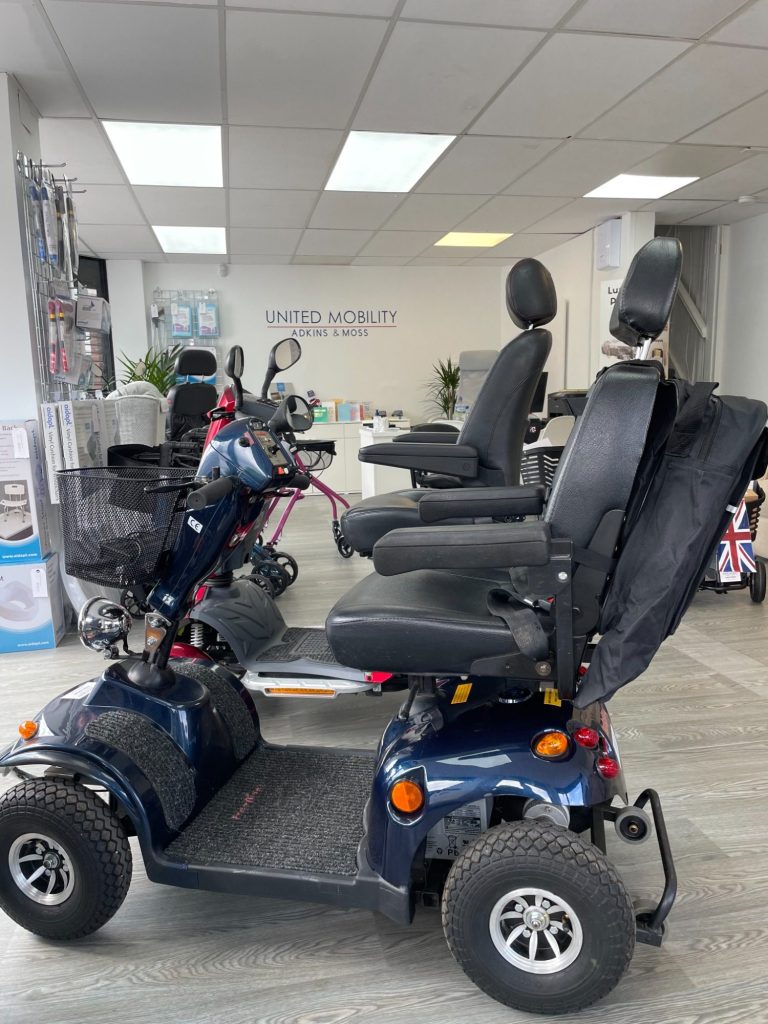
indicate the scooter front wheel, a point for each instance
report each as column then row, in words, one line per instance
column 65, row 862
column 538, row 918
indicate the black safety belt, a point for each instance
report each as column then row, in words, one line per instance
column 522, row 623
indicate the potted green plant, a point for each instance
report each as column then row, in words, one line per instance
column 443, row 387
column 157, row 366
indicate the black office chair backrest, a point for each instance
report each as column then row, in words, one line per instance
column 609, row 446
column 189, row 402
column 498, row 420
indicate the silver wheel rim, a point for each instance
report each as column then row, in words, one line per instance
column 41, row 869
column 536, row 931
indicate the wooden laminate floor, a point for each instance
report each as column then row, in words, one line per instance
column 695, row 727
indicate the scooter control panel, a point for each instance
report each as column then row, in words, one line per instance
column 271, row 449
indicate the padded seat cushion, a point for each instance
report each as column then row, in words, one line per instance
column 365, row 523
column 425, row 621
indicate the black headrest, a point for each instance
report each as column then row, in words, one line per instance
column 531, row 298
column 645, row 298
column 197, row 361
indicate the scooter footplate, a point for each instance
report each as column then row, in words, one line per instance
column 299, row 643
column 275, row 812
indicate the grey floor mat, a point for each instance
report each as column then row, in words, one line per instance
column 286, row 808
column 301, row 642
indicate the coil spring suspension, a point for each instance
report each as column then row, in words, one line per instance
column 197, row 634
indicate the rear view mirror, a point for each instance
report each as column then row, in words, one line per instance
column 234, row 369
column 282, row 356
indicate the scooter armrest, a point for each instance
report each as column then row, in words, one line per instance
column 428, row 437
column 449, row 459
column 481, row 502
column 489, row 546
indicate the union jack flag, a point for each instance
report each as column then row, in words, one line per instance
column 734, row 553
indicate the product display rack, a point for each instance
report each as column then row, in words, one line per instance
column 67, row 363
column 185, row 317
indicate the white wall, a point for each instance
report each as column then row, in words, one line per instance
column 19, row 392
column 439, row 312
column 742, row 346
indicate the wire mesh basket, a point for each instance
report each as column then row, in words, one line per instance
column 538, row 465
column 116, row 529
column 315, row 456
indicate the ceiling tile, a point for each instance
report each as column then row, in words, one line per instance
column 380, row 261
column 321, row 261
column 516, row 13
column 687, row 18
column 729, row 214
column 746, row 178
column 262, row 260
column 672, row 211
column 354, row 209
column 201, row 207
column 749, row 28
column 531, row 244
column 108, row 204
column 745, row 126
column 479, row 164
column 579, row 166
column 143, row 62
column 434, row 213
column 194, row 257
column 435, row 78
column 370, row 8
column 319, row 242
column 400, row 243
column 297, row 71
column 583, row 214
column 270, row 208
column 686, row 161
column 145, row 257
column 260, row 241
column 28, row 52
column 706, row 82
column 288, row 158
column 511, row 213
column 120, row 238
column 85, row 149
column 436, row 261
column 571, row 81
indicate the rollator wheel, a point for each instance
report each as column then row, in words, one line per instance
column 275, row 573
column 757, row 583
column 135, row 607
column 538, row 918
column 263, row 582
column 65, row 862
column 288, row 564
column 344, row 549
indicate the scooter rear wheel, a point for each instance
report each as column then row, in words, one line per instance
column 538, row 918
column 65, row 862
column 757, row 583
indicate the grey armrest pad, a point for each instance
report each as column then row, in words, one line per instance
column 478, row 502
column 451, row 459
column 490, row 546
column 428, row 437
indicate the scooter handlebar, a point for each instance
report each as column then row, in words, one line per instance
column 211, row 492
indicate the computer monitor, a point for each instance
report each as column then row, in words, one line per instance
column 537, row 404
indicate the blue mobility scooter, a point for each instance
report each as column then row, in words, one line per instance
column 490, row 733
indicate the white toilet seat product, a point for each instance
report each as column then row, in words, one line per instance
column 16, row 602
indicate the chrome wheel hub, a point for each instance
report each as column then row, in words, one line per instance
column 41, row 869
column 536, row 931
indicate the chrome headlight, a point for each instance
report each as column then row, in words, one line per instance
column 103, row 624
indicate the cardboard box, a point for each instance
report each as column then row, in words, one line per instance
column 54, row 457
column 24, row 528
column 80, row 426
column 31, row 605
column 93, row 313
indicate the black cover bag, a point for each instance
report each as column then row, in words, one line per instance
column 716, row 446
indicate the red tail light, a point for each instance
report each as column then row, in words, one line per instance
column 586, row 737
column 608, row 767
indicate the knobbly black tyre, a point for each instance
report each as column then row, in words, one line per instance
column 88, row 855
column 757, row 583
column 485, row 901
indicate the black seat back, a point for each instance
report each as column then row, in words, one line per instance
column 498, row 420
column 188, row 403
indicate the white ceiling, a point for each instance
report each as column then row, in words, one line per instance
column 548, row 98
